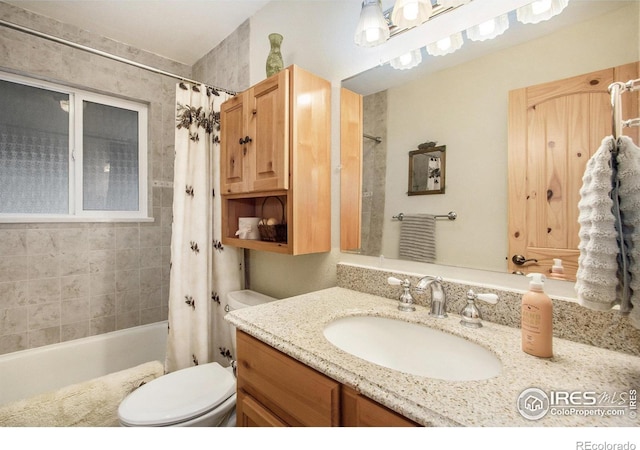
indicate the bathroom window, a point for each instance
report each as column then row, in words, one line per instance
column 68, row 154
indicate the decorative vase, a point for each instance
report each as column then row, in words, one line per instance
column 274, row 60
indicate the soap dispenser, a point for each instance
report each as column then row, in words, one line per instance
column 537, row 319
column 557, row 270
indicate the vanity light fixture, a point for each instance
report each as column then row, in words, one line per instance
column 372, row 27
column 407, row 61
column 489, row 29
column 411, row 13
column 540, row 10
column 446, row 45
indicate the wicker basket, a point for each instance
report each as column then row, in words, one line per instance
column 273, row 233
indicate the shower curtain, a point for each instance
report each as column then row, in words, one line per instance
column 203, row 271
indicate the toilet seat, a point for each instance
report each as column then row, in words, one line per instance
column 178, row 397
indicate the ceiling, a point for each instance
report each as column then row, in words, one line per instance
column 181, row 30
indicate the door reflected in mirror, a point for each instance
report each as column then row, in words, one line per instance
column 427, row 170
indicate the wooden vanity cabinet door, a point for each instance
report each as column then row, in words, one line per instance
column 250, row 413
column 290, row 391
column 360, row 411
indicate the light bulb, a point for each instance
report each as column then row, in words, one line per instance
column 410, row 11
column 372, row 34
column 541, row 6
column 487, row 27
column 405, row 59
column 444, row 44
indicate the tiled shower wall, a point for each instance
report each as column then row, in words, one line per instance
column 65, row 281
column 374, row 167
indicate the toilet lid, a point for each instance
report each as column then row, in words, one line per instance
column 178, row 396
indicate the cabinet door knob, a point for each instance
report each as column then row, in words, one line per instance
column 247, row 139
column 254, row 112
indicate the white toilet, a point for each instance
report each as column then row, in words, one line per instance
column 199, row 396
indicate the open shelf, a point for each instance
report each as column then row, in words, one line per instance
column 264, row 205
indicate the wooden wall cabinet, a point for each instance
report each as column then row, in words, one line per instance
column 277, row 390
column 276, row 142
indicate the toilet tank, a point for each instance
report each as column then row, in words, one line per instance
column 242, row 299
column 246, row 297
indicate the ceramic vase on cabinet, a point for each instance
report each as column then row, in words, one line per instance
column 274, row 60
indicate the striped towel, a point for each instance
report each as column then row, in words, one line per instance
column 418, row 238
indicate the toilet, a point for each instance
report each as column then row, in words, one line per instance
column 199, row 396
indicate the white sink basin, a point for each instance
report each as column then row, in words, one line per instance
column 412, row 348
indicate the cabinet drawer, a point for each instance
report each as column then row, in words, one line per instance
column 360, row 411
column 250, row 413
column 295, row 393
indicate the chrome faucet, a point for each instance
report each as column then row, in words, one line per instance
column 438, row 296
column 470, row 314
column 406, row 300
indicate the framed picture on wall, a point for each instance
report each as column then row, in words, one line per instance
column 427, row 171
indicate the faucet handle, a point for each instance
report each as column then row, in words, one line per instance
column 396, row 281
column 488, row 298
column 406, row 300
column 470, row 314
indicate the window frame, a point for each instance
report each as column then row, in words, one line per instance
column 76, row 212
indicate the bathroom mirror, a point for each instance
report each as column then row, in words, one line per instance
column 462, row 99
column 427, row 168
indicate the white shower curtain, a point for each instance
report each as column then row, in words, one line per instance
column 202, row 270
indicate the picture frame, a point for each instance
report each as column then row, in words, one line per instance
column 427, row 171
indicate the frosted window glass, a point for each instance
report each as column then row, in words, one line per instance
column 34, row 150
column 110, row 158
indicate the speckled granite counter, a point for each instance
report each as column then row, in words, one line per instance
column 295, row 325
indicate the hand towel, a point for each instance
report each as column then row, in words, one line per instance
column 628, row 176
column 596, row 279
column 418, row 238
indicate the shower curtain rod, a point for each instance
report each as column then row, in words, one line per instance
column 106, row 55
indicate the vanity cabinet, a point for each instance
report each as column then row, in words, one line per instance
column 277, row 390
column 276, row 143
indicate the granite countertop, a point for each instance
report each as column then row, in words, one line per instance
column 295, row 327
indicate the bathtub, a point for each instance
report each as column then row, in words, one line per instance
column 35, row 371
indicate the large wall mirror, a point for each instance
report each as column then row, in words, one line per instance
column 461, row 100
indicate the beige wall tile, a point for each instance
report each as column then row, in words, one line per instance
column 44, row 316
column 76, row 310
column 13, row 321
column 13, row 242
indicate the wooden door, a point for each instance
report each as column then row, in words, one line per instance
column 350, row 170
column 268, row 120
column 554, row 128
column 234, row 151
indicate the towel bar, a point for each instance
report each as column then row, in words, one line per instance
column 452, row 215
